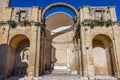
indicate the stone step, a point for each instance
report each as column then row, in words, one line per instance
column 105, row 78
column 61, row 77
column 57, row 71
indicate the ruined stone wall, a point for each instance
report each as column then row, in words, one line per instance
column 30, row 31
column 33, row 34
column 96, row 13
column 4, row 3
column 87, row 36
column 21, row 14
column 1, row 14
column 47, row 52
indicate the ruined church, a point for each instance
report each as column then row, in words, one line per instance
column 33, row 44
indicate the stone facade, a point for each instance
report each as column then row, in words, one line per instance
column 58, row 44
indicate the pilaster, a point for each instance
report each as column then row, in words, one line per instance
column 113, row 13
column 35, row 14
column 8, row 13
column 33, row 52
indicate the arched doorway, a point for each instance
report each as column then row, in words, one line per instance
column 60, row 26
column 59, row 4
column 18, row 58
column 103, row 56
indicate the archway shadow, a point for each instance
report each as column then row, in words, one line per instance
column 3, row 57
column 21, row 60
column 53, row 59
column 17, row 71
column 20, row 71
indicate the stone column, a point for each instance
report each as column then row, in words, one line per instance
column 88, row 66
column 35, row 14
column 90, row 54
column 84, row 13
column 4, row 40
column 80, row 57
column 35, row 46
column 84, row 55
column 8, row 14
column 81, row 14
column 116, row 51
column 78, row 48
column 33, row 67
column 38, row 53
column 113, row 13
column 32, row 54
column 38, row 47
column 4, row 3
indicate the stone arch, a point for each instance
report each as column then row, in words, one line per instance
column 24, row 54
column 103, row 52
column 60, row 26
column 15, row 65
column 14, row 41
column 103, row 34
column 57, row 20
column 60, row 4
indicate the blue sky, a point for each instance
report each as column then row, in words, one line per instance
column 75, row 3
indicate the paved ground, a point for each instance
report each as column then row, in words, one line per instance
column 51, row 77
column 61, row 77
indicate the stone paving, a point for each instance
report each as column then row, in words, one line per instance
column 51, row 77
column 61, row 77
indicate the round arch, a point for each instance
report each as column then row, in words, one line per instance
column 60, row 4
column 15, row 40
column 58, row 20
column 104, row 35
column 60, row 27
column 103, row 53
column 15, row 63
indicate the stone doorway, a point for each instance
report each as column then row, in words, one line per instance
column 104, row 63
column 63, row 58
column 17, row 61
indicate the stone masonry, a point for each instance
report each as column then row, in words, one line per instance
column 32, row 45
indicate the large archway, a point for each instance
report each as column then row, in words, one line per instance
column 17, row 61
column 60, row 26
column 104, row 63
column 59, row 4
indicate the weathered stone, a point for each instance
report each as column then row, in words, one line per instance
column 56, row 45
